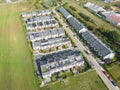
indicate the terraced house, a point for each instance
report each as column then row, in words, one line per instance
column 36, row 13
column 78, row 26
column 100, row 49
column 47, row 65
column 41, row 22
column 45, row 34
column 51, row 43
column 94, row 7
column 112, row 17
column 109, row 15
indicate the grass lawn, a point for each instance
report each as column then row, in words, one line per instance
column 2, row 1
column 85, row 81
column 16, row 68
column 114, row 70
column 97, row 20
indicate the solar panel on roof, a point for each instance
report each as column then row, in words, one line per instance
column 95, row 44
column 47, row 22
column 105, row 51
column 98, row 47
column 39, row 23
column 53, row 21
column 90, row 40
column 92, row 45
column 64, row 12
column 75, row 23
column 34, row 24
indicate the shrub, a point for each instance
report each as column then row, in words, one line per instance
column 53, row 78
column 86, row 18
column 73, row 8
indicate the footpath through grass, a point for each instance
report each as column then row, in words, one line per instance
column 16, row 68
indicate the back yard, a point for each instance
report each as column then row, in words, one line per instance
column 85, row 81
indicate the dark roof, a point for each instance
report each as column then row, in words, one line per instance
column 40, row 23
column 57, row 56
column 50, row 41
column 53, row 21
column 64, row 12
column 44, row 33
column 72, row 20
column 57, row 60
column 75, row 24
column 96, row 44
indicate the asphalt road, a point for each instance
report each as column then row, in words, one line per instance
column 81, row 47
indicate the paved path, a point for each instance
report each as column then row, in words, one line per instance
column 95, row 66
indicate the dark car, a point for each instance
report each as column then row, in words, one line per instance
column 114, row 83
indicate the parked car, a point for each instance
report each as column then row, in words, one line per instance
column 114, row 83
column 87, row 52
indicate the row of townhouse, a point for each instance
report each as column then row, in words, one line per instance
column 55, row 62
column 36, row 13
column 45, row 34
column 109, row 1
column 36, row 22
column 42, row 25
column 94, row 7
column 110, row 16
column 103, row 52
column 51, row 43
column 98, row 47
column 78, row 26
column 39, row 19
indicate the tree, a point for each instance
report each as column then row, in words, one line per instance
column 61, row 1
column 107, row 7
column 113, row 36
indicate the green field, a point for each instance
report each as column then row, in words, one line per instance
column 85, row 81
column 16, row 68
column 2, row 1
column 114, row 70
column 97, row 20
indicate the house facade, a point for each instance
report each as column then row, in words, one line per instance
column 55, row 62
column 78, row 26
column 51, row 43
column 112, row 17
column 41, row 25
column 94, row 7
column 36, row 13
column 46, row 34
column 97, row 46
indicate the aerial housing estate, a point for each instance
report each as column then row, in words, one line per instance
column 44, row 34
column 96, row 45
